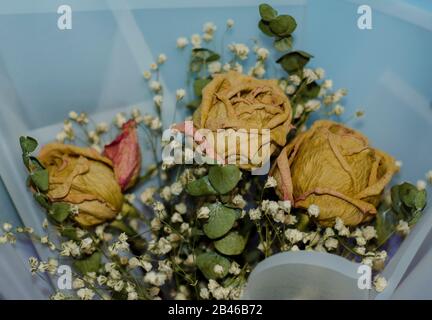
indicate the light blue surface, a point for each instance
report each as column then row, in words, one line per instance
column 97, row 67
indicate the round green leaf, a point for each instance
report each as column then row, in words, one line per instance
column 199, row 85
column 221, row 220
column 208, row 260
column 40, row 179
column 200, row 187
column 283, row 25
column 28, row 144
column 294, row 61
column 231, row 245
column 90, row 264
column 224, row 178
column 283, row 44
column 267, row 13
column 420, row 200
column 264, row 27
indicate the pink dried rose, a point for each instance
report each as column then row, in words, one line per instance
column 125, row 154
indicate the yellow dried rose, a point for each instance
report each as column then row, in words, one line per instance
column 82, row 177
column 335, row 168
column 239, row 102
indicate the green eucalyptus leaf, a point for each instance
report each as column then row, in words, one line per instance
column 267, row 13
column 265, row 28
column 42, row 200
column 283, row 44
column 221, row 220
column 408, row 193
column 294, row 61
column 194, row 104
column 420, row 200
column 90, row 264
column 60, row 211
column 224, row 178
column 40, row 179
column 70, row 233
column 28, row 144
column 205, row 55
column 208, row 260
column 283, row 25
column 123, row 227
column 385, row 224
column 232, row 244
column 201, row 187
column 199, row 85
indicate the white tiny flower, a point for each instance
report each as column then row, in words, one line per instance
column 153, row 66
column 204, row 294
column 331, row 243
column 341, row 228
column 361, row 241
column 218, row 269
column 203, row 213
column 226, row 67
column 240, row 50
column 147, row 196
column 294, row 79
column 255, row 214
column 176, row 188
column 320, row 73
column 313, row 211
column 196, row 40
column 207, row 37
column 120, row 120
column 399, row 164
column 155, row 124
column 293, row 235
column 403, row 227
column 214, row 67
column 209, row 27
column 147, row 75
column 298, row 111
column 270, row 183
column 180, row 94
column 61, row 136
column 230, row 23
column 421, row 185
column 327, row 84
column 78, row 283
column 234, row 268
column 369, row 233
column 73, row 115
column 158, row 99
column 285, row 205
column 338, row 110
column 310, row 75
column 181, row 208
column 85, row 294
column 262, row 53
column 239, row 201
column 289, row 90
column 162, row 58
column 312, row 105
column 176, row 217
column 7, row 227
column 429, row 176
column 155, row 86
column 182, row 42
column 380, row 283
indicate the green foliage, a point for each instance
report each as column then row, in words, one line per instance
column 199, row 85
column 221, row 220
column 224, row 178
column 208, row 260
column 283, row 44
column 283, row 25
column 201, row 56
column 267, row 12
column 294, row 61
column 40, row 179
column 232, row 244
column 90, row 264
column 200, row 187
column 28, row 144
column 59, row 211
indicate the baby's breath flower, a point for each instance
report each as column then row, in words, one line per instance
column 214, row 67
column 73, row 115
column 327, row 84
column 313, row 211
column 153, row 66
column 176, row 217
column 234, row 268
column 294, row 79
column 155, row 85
column 162, row 58
column 182, row 42
column 78, row 283
column 181, row 208
column 398, row 164
column 338, row 110
column 203, row 213
column 331, row 243
column 312, row 105
column 158, row 99
column 230, row 23
column 380, row 283
column 369, row 233
column 156, row 123
column 298, row 111
column 207, row 37
column 180, row 94
column 239, row 201
column 262, row 53
column 155, row 278
column 147, row 75
column 196, row 40
column 147, row 196
column 120, row 120
column 270, row 183
column 255, row 214
column 289, row 90
column 293, row 235
column 320, row 72
column 85, row 294
column 403, row 227
column 341, row 228
column 204, row 294
column 209, row 27
column 429, row 176
column 240, row 50
column 218, row 269
column 7, row 227
column 421, row 185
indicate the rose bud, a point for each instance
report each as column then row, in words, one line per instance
column 242, row 103
column 125, row 154
column 335, row 168
column 82, row 177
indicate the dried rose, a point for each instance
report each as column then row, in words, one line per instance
column 125, row 154
column 242, row 103
column 82, row 177
column 335, row 168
